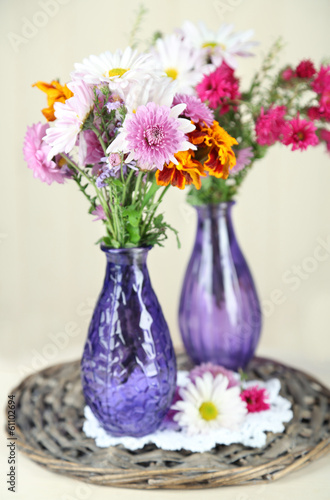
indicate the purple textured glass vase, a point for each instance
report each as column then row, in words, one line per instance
column 128, row 365
column 219, row 314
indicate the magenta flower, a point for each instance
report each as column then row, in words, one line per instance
column 196, row 110
column 270, row 125
column 256, row 399
column 35, row 152
column 215, row 370
column 99, row 212
column 288, row 74
column 322, row 80
column 300, row 134
column 243, row 159
column 325, row 136
column 220, row 89
column 305, row 69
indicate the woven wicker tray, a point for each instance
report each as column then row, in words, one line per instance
column 49, row 431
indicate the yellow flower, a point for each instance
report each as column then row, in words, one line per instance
column 55, row 93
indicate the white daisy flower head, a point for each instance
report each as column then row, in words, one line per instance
column 222, row 45
column 207, row 404
column 159, row 90
column 153, row 135
column 70, row 118
column 118, row 69
column 181, row 62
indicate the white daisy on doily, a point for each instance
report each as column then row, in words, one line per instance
column 181, row 62
column 208, row 404
column 222, row 45
column 118, row 69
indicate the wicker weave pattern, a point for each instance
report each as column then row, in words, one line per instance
column 49, row 430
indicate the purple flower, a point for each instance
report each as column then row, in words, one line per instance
column 243, row 159
column 35, row 152
column 90, row 149
column 196, row 110
column 99, row 212
column 113, row 105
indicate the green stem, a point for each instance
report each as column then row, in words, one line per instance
column 148, row 220
column 99, row 136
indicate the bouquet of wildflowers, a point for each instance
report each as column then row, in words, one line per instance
column 125, row 128
column 290, row 106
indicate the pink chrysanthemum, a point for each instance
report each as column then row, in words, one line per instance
column 215, row 370
column 243, row 159
column 220, row 89
column 196, row 110
column 256, row 399
column 99, row 213
column 325, row 136
column 270, row 125
column 153, row 135
column 322, row 80
column 300, row 133
column 305, row 69
column 35, row 152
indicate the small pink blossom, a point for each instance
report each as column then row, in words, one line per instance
column 99, row 212
column 256, row 399
column 300, row 133
column 322, row 80
column 270, row 125
column 288, row 74
column 114, row 160
column 215, row 370
column 35, row 152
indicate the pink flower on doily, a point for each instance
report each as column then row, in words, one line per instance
column 256, row 399
column 215, row 370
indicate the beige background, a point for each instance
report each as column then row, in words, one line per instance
column 51, row 271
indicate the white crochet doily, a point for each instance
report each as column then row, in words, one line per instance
column 252, row 432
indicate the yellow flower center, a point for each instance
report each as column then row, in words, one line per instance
column 117, row 72
column 62, row 162
column 212, row 45
column 208, row 410
column 172, row 73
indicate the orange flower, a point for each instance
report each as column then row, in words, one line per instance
column 217, row 145
column 187, row 172
column 55, row 93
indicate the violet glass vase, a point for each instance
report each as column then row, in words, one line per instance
column 219, row 313
column 128, row 365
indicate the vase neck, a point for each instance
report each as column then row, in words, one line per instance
column 126, row 256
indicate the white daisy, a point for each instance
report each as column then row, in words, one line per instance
column 208, row 404
column 117, row 69
column 158, row 90
column 181, row 62
column 219, row 46
column 70, row 118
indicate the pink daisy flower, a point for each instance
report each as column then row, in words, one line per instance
column 322, row 80
column 300, row 134
column 215, row 370
column 305, row 69
column 35, row 152
column 270, row 125
column 99, row 213
column 243, row 159
column 153, row 135
column 196, row 110
column 256, row 399
column 220, row 89
column 288, row 74
column 70, row 118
